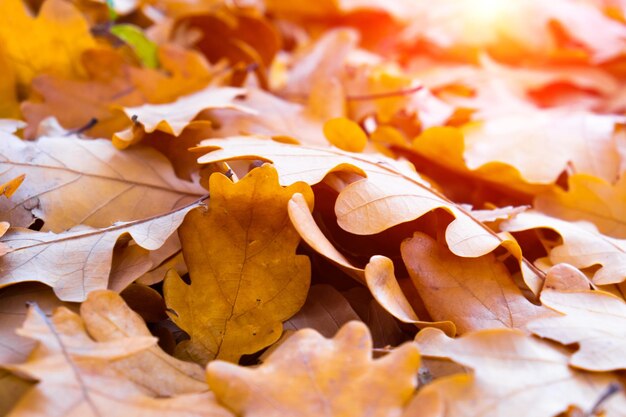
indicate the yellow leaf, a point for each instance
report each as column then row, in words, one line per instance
column 50, row 43
column 514, row 375
column 10, row 187
column 588, row 198
column 245, row 276
column 118, row 373
column 94, row 183
column 596, row 320
column 473, row 293
column 345, row 134
column 309, row 375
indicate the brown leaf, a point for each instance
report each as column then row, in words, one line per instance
column 77, row 262
column 473, row 293
column 596, row 320
column 79, row 376
column 309, row 375
column 72, row 181
column 514, row 375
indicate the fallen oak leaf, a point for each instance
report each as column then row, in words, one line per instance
column 246, row 279
column 309, row 375
column 95, row 183
column 512, row 372
column 596, row 320
column 77, row 262
column 583, row 246
column 10, row 187
column 107, row 318
column 173, row 117
column 588, row 198
column 485, row 296
column 82, row 377
column 391, row 194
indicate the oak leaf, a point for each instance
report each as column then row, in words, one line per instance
column 173, row 117
column 246, row 278
column 79, row 376
column 582, row 246
column 596, row 320
column 96, row 184
column 588, row 198
column 309, row 375
column 78, row 261
column 473, row 293
column 514, row 375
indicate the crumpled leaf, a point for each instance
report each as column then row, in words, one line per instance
column 50, row 43
column 309, row 375
column 391, row 194
column 71, row 181
column 79, row 376
column 583, row 246
column 78, row 261
column 596, row 320
column 173, row 117
column 588, row 198
column 245, row 276
column 473, row 293
column 514, row 374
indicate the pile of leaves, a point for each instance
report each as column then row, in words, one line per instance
column 312, row 208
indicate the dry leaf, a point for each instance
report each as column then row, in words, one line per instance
column 473, row 293
column 82, row 377
column 245, row 276
column 173, row 117
column 77, row 262
column 596, row 320
column 514, row 375
column 588, row 198
column 345, row 134
column 72, row 181
column 310, row 376
column 583, row 246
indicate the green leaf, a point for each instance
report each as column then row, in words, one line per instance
column 133, row 36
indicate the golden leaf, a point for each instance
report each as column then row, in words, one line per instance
column 345, row 134
column 245, row 276
column 309, row 375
